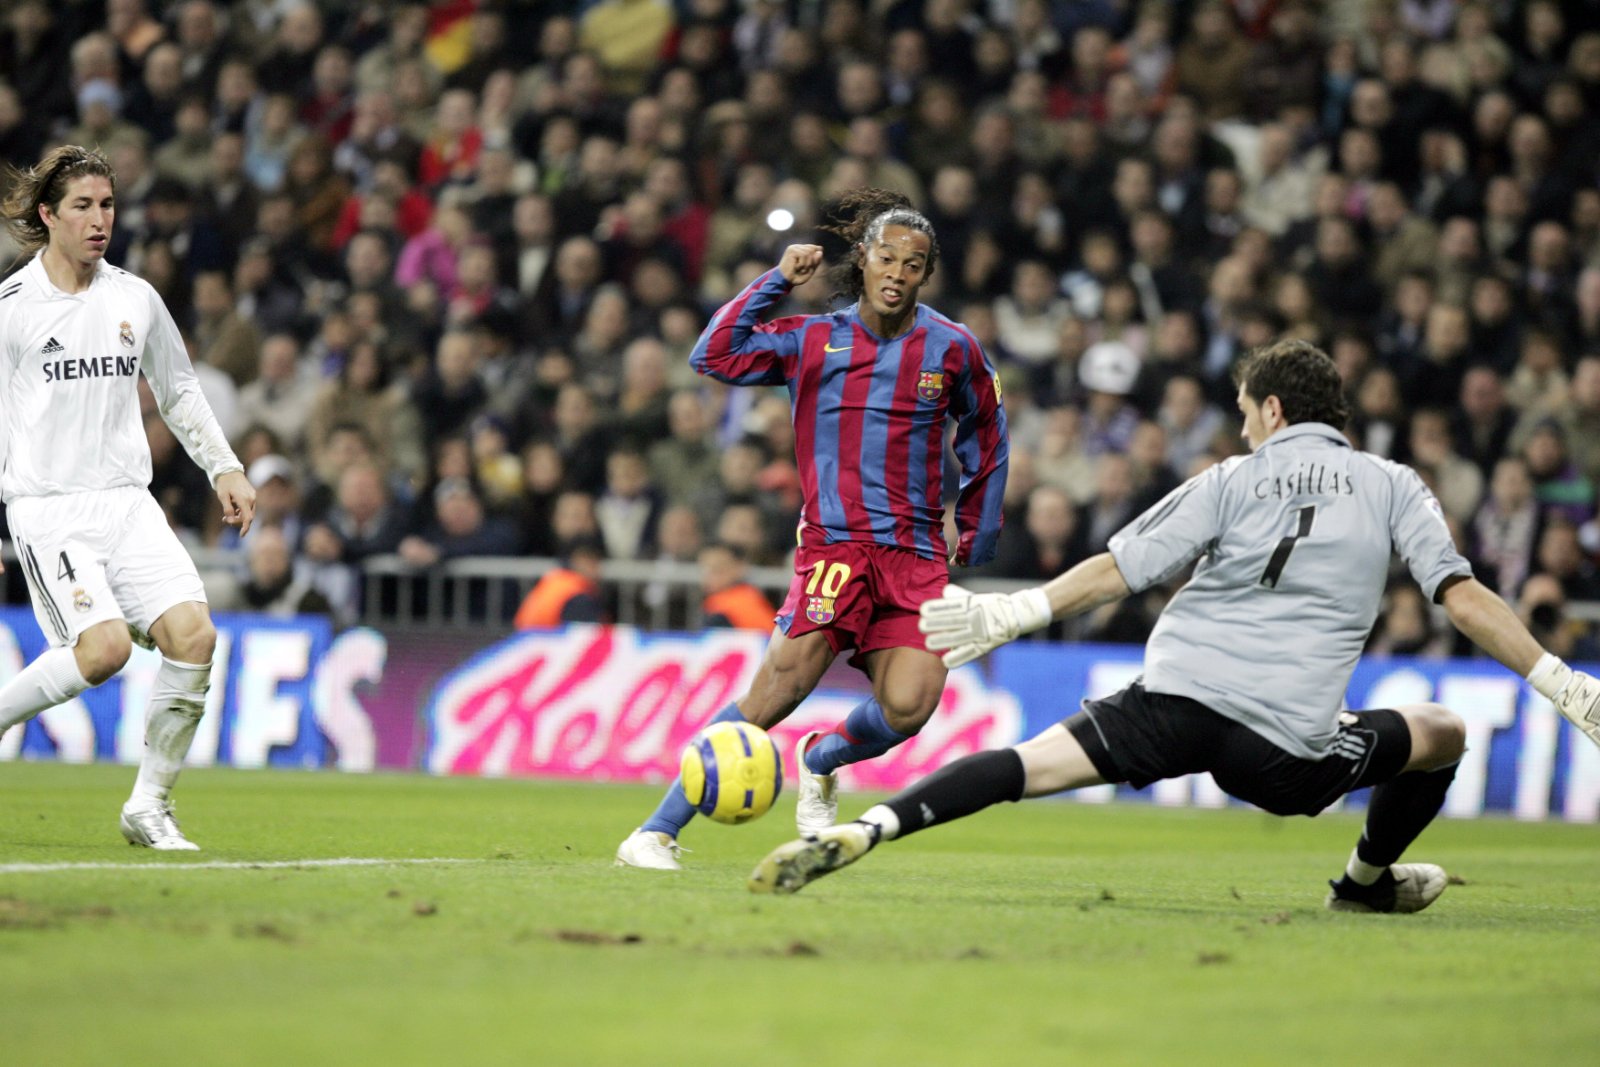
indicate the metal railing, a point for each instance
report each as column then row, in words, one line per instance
column 486, row 590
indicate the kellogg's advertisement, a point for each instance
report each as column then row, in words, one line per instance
column 617, row 704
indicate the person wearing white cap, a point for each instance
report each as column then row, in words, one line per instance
column 1109, row 370
column 102, row 565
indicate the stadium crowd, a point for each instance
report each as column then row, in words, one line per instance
column 440, row 265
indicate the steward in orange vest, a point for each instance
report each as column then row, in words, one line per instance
column 730, row 600
column 570, row 593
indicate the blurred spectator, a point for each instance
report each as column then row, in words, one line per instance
column 1406, row 626
column 730, row 599
column 580, row 436
column 1484, row 421
column 686, row 461
column 461, row 527
column 272, row 587
column 1560, row 487
column 1046, row 542
column 568, row 594
column 450, row 391
column 628, row 509
column 1506, row 528
column 1562, row 557
column 1541, row 606
column 1113, row 504
column 363, row 393
column 226, row 339
column 1457, row 482
column 1029, row 317
column 1108, row 371
column 281, row 397
column 364, row 520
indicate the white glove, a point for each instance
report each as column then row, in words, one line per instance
column 971, row 624
column 1575, row 694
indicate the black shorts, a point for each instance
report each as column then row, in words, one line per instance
column 1139, row 737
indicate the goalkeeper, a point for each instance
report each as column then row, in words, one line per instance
column 1246, row 668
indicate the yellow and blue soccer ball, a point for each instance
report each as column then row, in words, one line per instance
column 731, row 772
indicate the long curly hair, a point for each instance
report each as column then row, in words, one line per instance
column 867, row 213
column 46, row 183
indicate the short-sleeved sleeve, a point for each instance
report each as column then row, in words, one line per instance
column 1169, row 536
column 1420, row 534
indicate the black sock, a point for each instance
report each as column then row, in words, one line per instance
column 968, row 785
column 1400, row 810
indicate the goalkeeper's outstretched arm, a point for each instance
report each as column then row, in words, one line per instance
column 965, row 625
column 1491, row 624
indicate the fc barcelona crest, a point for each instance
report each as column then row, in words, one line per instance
column 819, row 609
column 930, row 383
column 127, row 335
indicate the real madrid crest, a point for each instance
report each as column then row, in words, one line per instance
column 127, row 335
column 81, row 600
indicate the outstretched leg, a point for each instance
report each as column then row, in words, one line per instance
column 790, row 670
column 1399, row 811
column 1049, row 763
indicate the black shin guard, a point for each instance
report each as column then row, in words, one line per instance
column 1400, row 810
column 968, row 785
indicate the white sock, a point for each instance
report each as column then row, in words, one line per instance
column 177, row 700
column 51, row 679
column 887, row 822
column 1362, row 873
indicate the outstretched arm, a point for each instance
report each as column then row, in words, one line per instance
column 1480, row 614
column 969, row 625
column 736, row 348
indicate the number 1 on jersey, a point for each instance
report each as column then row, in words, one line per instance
column 1280, row 555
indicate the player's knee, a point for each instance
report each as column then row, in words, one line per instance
column 1442, row 731
column 908, row 713
column 198, row 645
column 102, row 652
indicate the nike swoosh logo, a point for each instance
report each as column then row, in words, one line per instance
column 830, row 348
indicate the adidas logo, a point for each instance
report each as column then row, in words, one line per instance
column 51, row 347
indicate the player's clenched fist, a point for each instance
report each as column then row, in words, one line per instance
column 799, row 263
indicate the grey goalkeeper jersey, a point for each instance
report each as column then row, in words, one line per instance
column 1293, row 544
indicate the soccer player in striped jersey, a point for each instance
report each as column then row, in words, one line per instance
column 1245, row 672
column 870, row 387
column 103, row 566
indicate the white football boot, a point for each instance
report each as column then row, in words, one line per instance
column 649, row 850
column 1416, row 885
column 155, row 828
column 817, row 806
column 789, row 867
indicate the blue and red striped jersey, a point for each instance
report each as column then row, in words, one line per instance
column 869, row 419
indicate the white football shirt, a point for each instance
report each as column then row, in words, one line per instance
column 69, row 377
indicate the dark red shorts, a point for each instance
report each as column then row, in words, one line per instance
column 861, row 596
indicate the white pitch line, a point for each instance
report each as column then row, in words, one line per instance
column 220, row 865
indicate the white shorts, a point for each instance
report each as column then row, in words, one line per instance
column 95, row 557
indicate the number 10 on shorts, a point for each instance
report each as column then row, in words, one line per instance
column 827, row 579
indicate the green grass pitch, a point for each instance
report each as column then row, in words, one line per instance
column 1040, row 933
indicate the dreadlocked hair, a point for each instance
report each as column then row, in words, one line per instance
column 46, row 183
column 869, row 212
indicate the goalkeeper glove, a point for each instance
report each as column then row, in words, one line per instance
column 970, row 624
column 1575, row 694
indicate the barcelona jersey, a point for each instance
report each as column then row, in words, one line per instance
column 869, row 418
